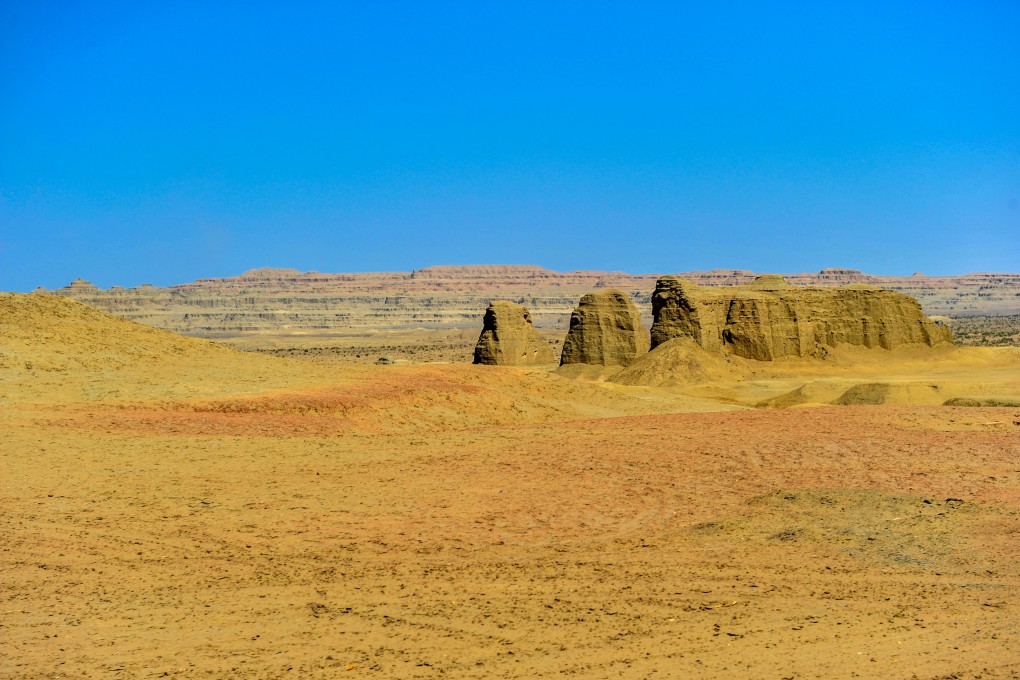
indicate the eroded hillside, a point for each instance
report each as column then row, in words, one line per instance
column 284, row 300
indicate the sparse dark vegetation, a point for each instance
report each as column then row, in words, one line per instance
column 456, row 352
column 987, row 331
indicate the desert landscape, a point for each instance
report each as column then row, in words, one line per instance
column 838, row 498
column 434, row 313
column 520, row 340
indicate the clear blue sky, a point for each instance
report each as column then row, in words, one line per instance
column 164, row 141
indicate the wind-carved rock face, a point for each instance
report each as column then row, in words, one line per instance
column 605, row 330
column 509, row 339
column 769, row 319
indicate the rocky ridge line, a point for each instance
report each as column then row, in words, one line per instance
column 453, row 297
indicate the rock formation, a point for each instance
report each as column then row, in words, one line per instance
column 605, row 330
column 769, row 318
column 273, row 300
column 509, row 339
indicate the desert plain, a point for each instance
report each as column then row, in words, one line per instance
column 172, row 507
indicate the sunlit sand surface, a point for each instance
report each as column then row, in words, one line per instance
column 173, row 508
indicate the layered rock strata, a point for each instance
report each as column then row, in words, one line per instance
column 605, row 330
column 509, row 339
column 769, row 319
column 285, row 300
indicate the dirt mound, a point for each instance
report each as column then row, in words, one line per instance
column 679, row 362
column 605, row 330
column 815, row 393
column 57, row 332
column 845, row 393
column 985, row 402
column 588, row 371
column 892, row 393
column 54, row 348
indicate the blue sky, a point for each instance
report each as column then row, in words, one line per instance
column 161, row 142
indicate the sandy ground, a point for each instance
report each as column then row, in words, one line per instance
column 171, row 509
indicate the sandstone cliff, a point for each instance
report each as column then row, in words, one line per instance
column 509, row 339
column 605, row 330
column 275, row 300
column 769, row 318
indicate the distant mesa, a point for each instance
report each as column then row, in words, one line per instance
column 81, row 285
column 769, row 319
column 268, row 300
column 270, row 274
column 842, row 272
column 509, row 339
column 481, row 271
column 605, row 330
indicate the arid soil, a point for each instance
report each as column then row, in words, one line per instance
column 171, row 508
column 417, row 345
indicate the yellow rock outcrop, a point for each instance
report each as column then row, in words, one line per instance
column 769, row 319
column 605, row 330
column 509, row 339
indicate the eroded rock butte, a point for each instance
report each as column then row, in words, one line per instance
column 768, row 318
column 509, row 339
column 605, row 330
